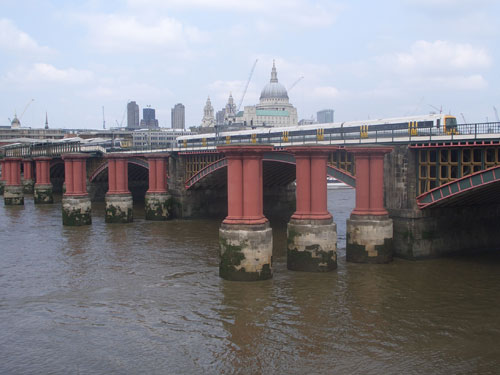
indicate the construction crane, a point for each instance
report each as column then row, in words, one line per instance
column 120, row 124
column 22, row 113
column 496, row 114
column 246, row 86
column 295, row 83
column 463, row 118
column 440, row 109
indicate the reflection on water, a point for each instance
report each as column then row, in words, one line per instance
column 145, row 297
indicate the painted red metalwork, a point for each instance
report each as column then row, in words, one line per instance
column 28, row 169
column 427, row 199
column 311, row 172
column 117, row 174
column 157, row 173
column 75, row 174
column 244, row 184
column 42, row 168
column 13, row 169
column 370, row 180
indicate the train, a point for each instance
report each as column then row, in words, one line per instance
column 432, row 124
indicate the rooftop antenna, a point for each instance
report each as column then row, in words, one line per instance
column 103, row 120
column 496, row 114
column 246, row 86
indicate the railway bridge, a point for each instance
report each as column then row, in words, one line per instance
column 417, row 195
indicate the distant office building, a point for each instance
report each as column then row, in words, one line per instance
column 156, row 139
column 178, row 116
column 325, row 116
column 148, row 118
column 132, row 115
column 219, row 117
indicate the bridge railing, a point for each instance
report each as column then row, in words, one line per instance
column 41, row 149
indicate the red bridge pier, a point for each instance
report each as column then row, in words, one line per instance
column 246, row 241
column 118, row 199
column 27, row 180
column 157, row 200
column 369, row 229
column 76, row 207
column 311, row 232
column 13, row 192
column 43, row 187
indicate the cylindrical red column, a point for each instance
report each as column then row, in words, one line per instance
column 234, row 187
column 377, row 184
column 117, row 174
column 13, row 171
column 370, row 180
column 161, row 178
column 111, row 175
column 152, row 175
column 28, row 169
column 252, row 189
column 75, row 174
column 6, row 171
column 303, row 184
column 319, row 208
column 362, row 184
column 42, row 166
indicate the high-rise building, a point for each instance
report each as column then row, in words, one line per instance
column 178, row 116
column 148, row 118
column 219, row 117
column 325, row 116
column 132, row 115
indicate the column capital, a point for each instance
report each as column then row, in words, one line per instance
column 116, row 156
column 157, row 155
column 13, row 158
column 244, row 149
column 42, row 158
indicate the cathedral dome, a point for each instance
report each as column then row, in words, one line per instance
column 274, row 89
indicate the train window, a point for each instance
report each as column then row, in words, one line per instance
column 451, row 122
column 438, row 122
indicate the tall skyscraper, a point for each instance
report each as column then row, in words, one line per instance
column 325, row 116
column 178, row 116
column 149, row 118
column 219, row 117
column 132, row 115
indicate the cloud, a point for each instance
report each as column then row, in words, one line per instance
column 128, row 33
column 442, row 56
column 14, row 40
column 45, row 73
column 326, row 92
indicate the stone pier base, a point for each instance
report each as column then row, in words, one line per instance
column 119, row 208
column 157, row 206
column 76, row 210
column 43, row 194
column 246, row 252
column 369, row 239
column 312, row 245
column 13, row 195
column 2, row 186
column 28, row 186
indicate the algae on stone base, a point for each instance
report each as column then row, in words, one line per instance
column 158, row 207
column 76, row 211
column 312, row 245
column 43, row 195
column 13, row 195
column 246, row 252
column 119, row 209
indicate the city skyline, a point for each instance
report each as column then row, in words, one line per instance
column 364, row 59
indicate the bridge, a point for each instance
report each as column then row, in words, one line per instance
column 418, row 193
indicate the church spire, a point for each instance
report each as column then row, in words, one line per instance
column 274, row 74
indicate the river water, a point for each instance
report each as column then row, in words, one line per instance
column 145, row 298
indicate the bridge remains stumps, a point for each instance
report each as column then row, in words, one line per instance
column 43, row 193
column 311, row 232
column 76, row 206
column 369, row 229
column 13, row 191
column 245, row 237
column 28, row 181
column 118, row 199
column 157, row 200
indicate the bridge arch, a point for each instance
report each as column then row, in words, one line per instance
column 274, row 173
column 482, row 187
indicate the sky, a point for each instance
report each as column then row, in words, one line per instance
column 364, row 59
